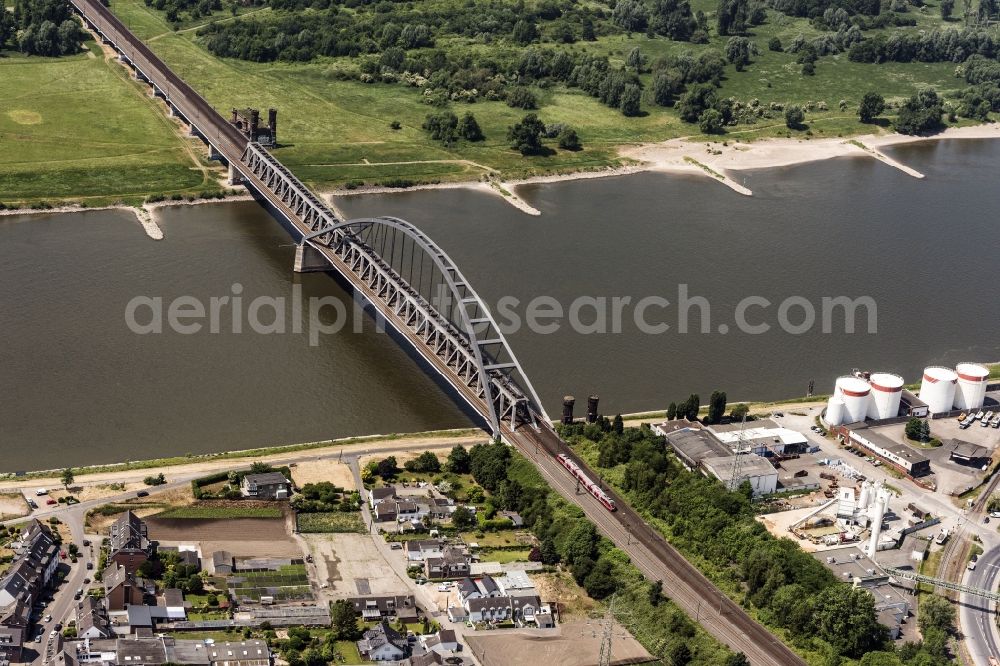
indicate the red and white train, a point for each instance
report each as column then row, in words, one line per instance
column 585, row 481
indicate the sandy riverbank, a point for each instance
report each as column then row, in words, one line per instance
column 713, row 159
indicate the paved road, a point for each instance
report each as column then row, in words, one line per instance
column 977, row 614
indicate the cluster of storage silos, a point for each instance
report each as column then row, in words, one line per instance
column 855, row 398
column 944, row 389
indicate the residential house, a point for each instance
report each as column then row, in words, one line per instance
column 36, row 557
column 158, row 650
column 238, row 653
column 172, row 600
column 426, row 659
column 223, row 562
column 478, row 588
column 123, row 589
column 92, row 619
column 513, row 516
column 187, row 556
column 378, row 495
column 444, row 641
column 129, row 544
column 383, row 643
column 385, row 512
column 491, row 610
column 266, row 486
column 419, row 550
column 453, row 563
column 373, row 608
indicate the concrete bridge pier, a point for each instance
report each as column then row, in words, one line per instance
column 213, row 153
column 236, row 178
column 309, row 260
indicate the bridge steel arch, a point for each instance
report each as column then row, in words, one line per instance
column 451, row 320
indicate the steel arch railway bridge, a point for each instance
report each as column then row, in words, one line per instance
column 416, row 288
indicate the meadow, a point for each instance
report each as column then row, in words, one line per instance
column 76, row 128
column 336, row 131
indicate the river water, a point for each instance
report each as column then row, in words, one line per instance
column 78, row 386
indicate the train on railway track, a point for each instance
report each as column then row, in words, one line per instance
column 586, row 482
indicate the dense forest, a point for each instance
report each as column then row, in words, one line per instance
column 716, row 529
column 40, row 27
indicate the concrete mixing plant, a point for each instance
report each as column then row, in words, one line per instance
column 887, row 389
column 970, row 389
column 937, row 388
column 877, row 509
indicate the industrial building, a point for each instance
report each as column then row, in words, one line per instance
column 906, row 458
column 763, row 437
column 700, row 449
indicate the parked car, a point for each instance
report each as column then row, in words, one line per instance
column 90, row 566
column 86, row 581
column 86, row 542
column 51, row 501
column 142, row 493
column 58, row 626
column 47, row 619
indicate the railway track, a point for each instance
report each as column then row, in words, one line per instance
column 655, row 558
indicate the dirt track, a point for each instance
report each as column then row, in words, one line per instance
column 573, row 644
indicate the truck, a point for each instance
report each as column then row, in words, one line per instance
column 942, row 536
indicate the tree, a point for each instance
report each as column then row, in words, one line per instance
column 738, row 659
column 520, row 97
column 655, row 592
column 526, row 136
column 636, row 59
column 631, row 96
column 581, row 543
column 462, row 518
column 387, row 467
column 872, row 104
column 260, row 468
column 601, row 581
column 524, row 32
column 587, row 31
column 666, row 85
column 918, row 430
column 680, row 654
column 425, row 462
column 739, row 50
column 936, row 613
column 618, row 425
column 921, row 114
column 794, row 116
column 468, row 128
column 550, row 555
column 672, row 411
column 630, row 15
column 442, row 126
column 345, row 620
column 458, row 460
column 947, row 7
column 695, row 101
column 733, row 17
column 773, row 44
column 195, row 585
column 739, row 411
column 845, row 617
column 710, row 122
column 716, row 406
column 569, row 140
column 67, row 477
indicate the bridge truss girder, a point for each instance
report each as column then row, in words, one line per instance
column 466, row 340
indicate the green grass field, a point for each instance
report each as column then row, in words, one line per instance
column 331, row 522
column 76, row 128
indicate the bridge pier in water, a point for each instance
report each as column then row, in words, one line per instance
column 310, row 260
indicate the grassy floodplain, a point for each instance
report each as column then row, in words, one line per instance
column 76, row 128
column 335, row 131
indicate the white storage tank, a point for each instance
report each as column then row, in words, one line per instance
column 887, row 388
column 937, row 388
column 854, row 392
column 834, row 411
column 970, row 390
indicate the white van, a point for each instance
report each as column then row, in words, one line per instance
column 41, row 491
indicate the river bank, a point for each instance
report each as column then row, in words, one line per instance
column 715, row 159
